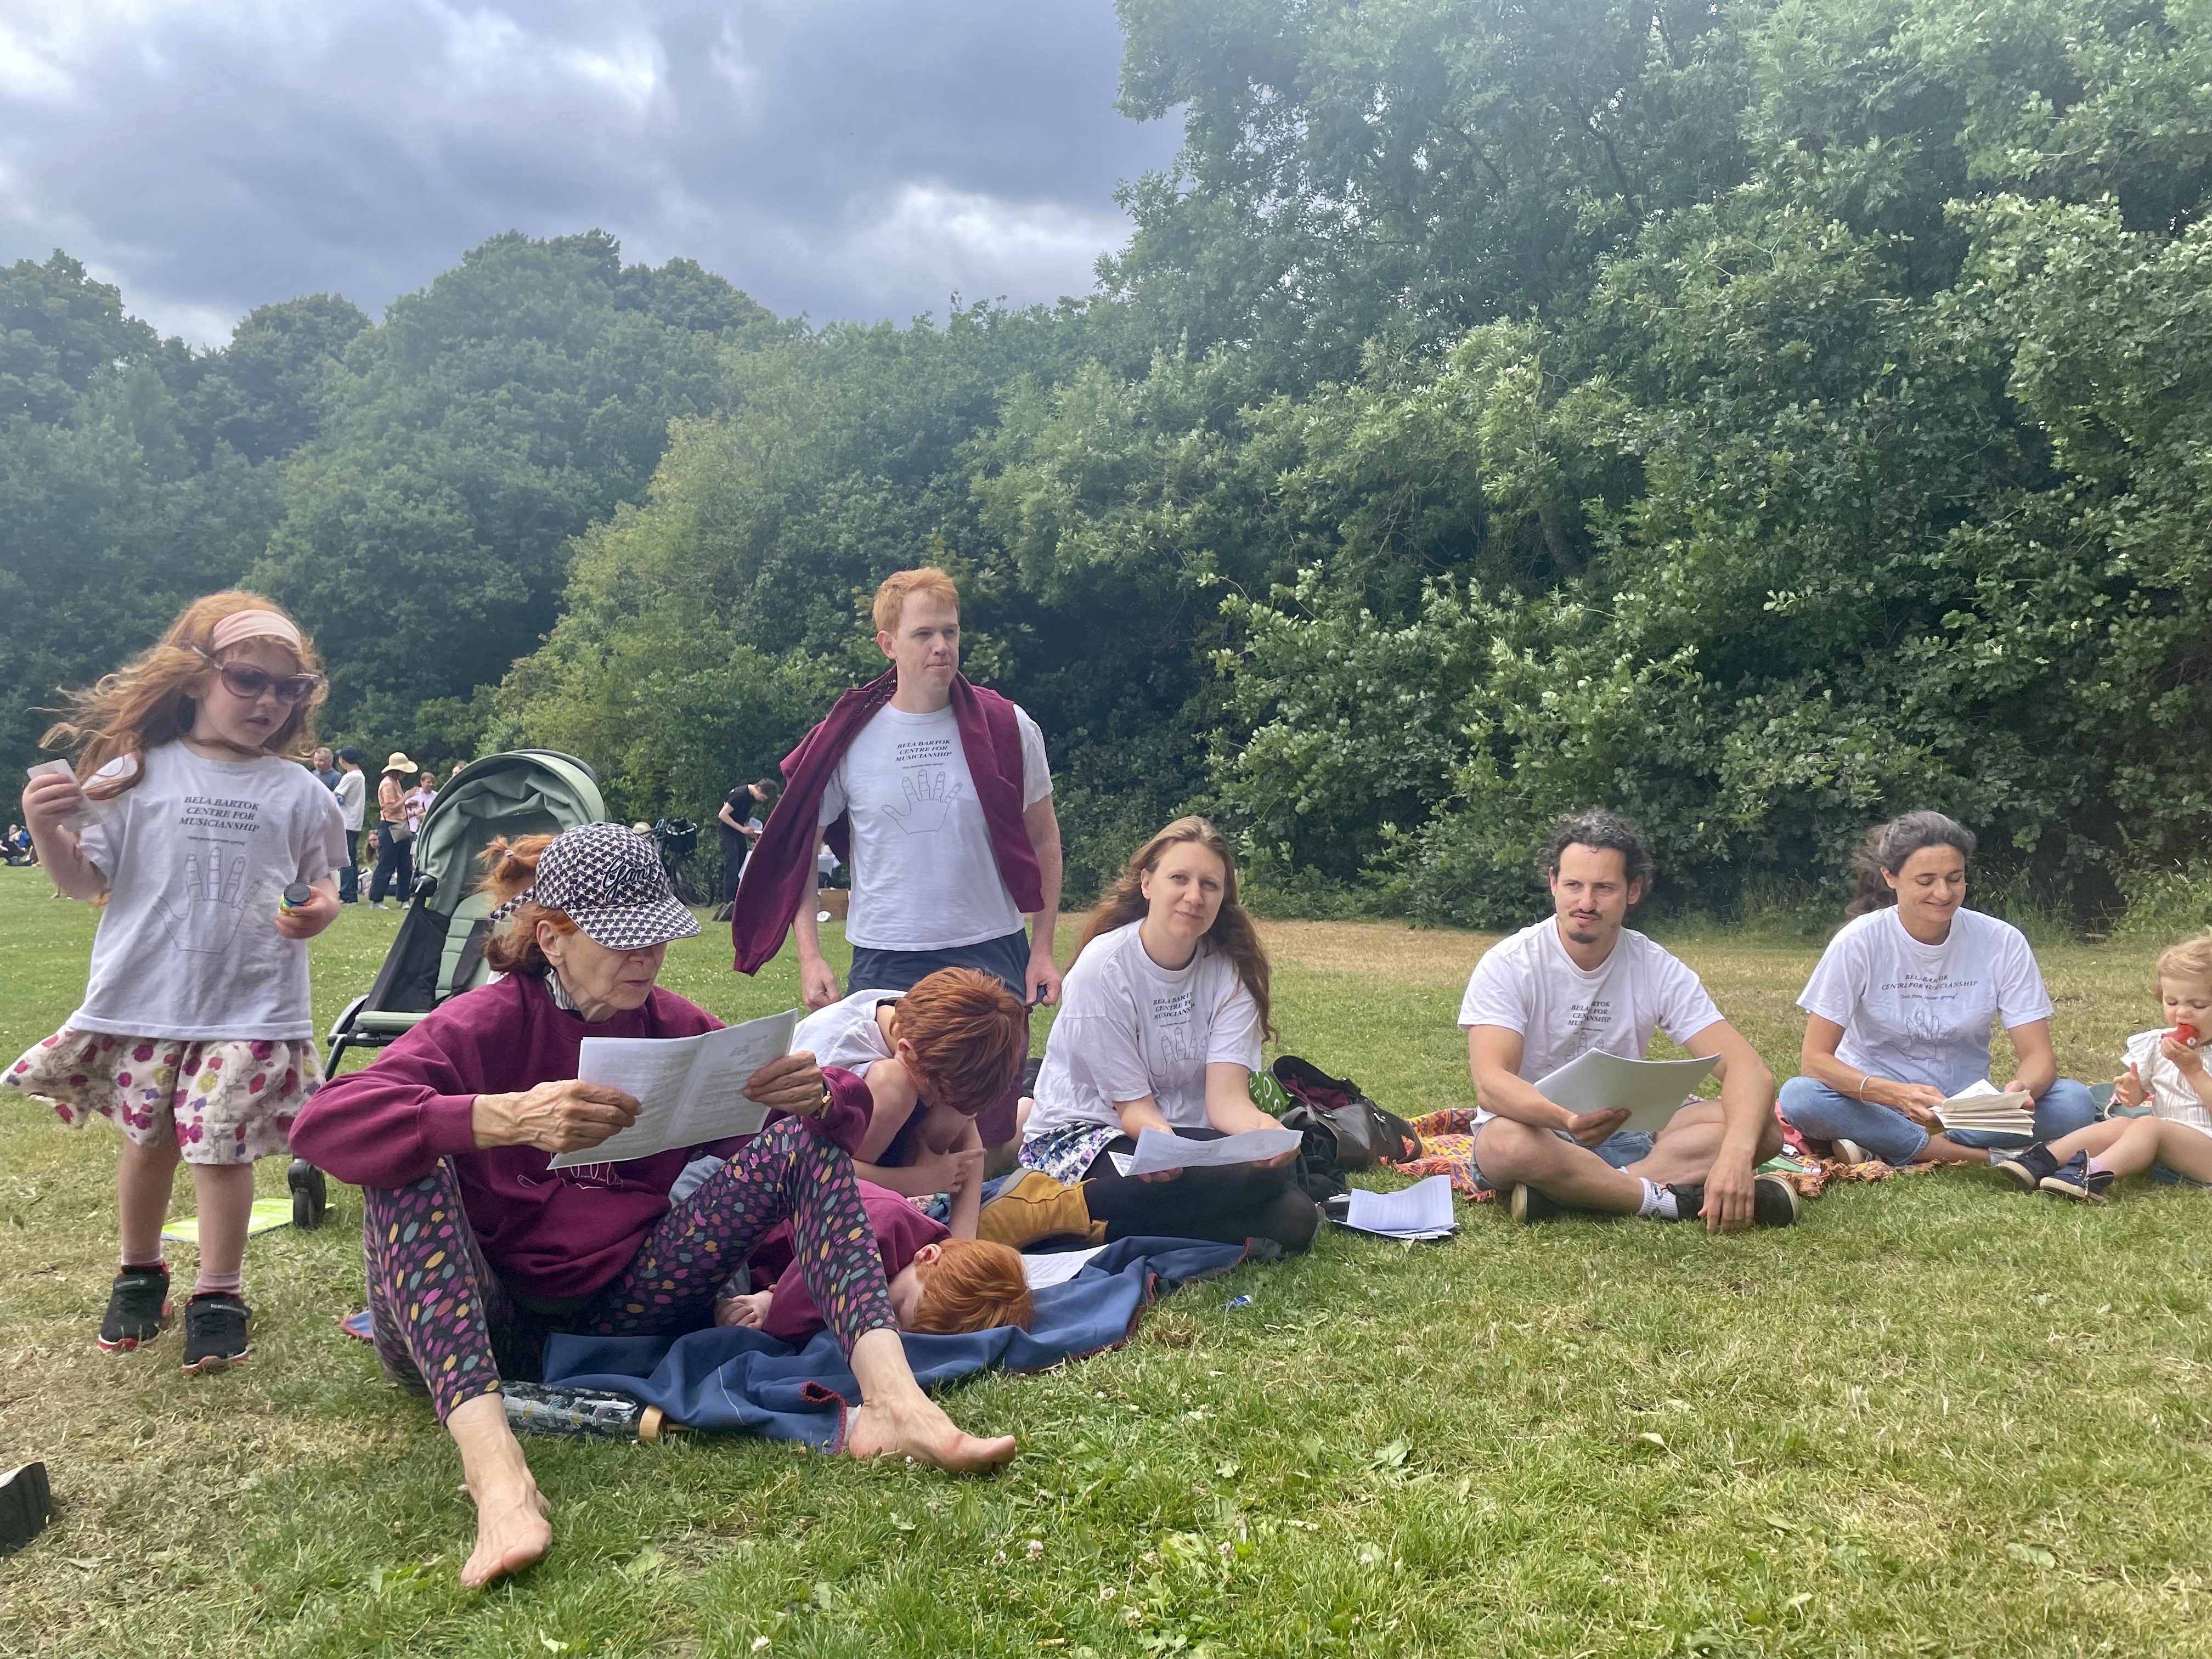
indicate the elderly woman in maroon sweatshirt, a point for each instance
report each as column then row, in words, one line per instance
column 475, row 1246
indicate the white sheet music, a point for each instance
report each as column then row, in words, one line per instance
column 1650, row 1090
column 1423, row 1210
column 1055, row 1267
column 1157, row 1151
column 690, row 1090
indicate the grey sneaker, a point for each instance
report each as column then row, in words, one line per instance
column 1849, row 1152
column 1774, row 1201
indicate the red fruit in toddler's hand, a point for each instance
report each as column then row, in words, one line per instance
column 2186, row 1034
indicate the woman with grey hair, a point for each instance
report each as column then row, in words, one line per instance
column 1899, row 1007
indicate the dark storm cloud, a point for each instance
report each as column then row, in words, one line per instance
column 848, row 158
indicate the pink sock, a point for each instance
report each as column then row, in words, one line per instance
column 130, row 1266
column 2097, row 1166
column 227, row 1283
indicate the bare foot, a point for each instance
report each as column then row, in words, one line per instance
column 512, row 1532
column 915, row 1428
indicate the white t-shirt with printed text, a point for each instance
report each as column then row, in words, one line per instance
column 1528, row 983
column 1921, row 1013
column 925, row 876
column 1129, row 1028
column 195, row 858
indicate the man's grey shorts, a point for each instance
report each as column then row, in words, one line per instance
column 1629, row 1146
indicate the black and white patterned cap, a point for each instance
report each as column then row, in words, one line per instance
column 608, row 880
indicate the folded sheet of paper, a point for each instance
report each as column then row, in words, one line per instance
column 1055, row 1267
column 85, row 815
column 1985, row 1106
column 1423, row 1210
column 690, row 1090
column 1649, row 1089
column 267, row 1214
column 1157, row 1151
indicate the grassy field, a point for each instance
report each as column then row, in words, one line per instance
column 1937, row 1418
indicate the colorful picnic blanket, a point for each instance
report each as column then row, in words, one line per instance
column 1448, row 1149
column 739, row 1381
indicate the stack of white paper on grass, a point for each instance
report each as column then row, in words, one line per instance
column 1423, row 1210
column 1055, row 1267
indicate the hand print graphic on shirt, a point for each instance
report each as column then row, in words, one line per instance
column 205, row 919
column 930, row 793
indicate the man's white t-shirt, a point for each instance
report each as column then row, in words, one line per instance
column 1921, row 1013
column 1528, row 983
column 924, row 875
column 195, row 858
column 1129, row 1028
column 353, row 798
column 846, row 1034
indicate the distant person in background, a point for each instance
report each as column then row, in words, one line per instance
column 743, row 816
column 17, row 847
column 395, row 837
column 419, row 798
column 352, row 790
column 1897, row 1011
column 325, row 770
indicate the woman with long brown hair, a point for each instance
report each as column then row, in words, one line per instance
column 1160, row 1028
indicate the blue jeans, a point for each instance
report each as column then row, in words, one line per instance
column 1819, row 1111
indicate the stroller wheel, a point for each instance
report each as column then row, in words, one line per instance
column 311, row 1194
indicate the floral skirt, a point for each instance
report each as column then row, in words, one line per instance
column 1066, row 1155
column 229, row 1102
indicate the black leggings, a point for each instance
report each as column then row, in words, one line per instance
column 1228, row 1205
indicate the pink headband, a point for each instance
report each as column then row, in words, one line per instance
column 256, row 625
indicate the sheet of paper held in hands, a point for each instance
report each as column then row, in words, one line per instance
column 85, row 815
column 1423, row 1210
column 1985, row 1106
column 1157, row 1151
column 690, row 1090
column 1652, row 1090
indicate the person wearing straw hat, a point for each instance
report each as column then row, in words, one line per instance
column 395, row 832
column 477, row 1247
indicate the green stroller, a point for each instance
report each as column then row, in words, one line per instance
column 439, row 951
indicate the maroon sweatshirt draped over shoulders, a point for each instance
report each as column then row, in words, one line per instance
column 554, row 1234
column 991, row 742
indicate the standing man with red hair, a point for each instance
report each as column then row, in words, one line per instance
column 936, row 795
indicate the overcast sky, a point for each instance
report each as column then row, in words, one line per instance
column 846, row 158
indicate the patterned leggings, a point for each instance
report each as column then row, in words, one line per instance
column 445, row 1326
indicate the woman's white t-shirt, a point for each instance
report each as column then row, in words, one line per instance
column 2170, row 1093
column 1921, row 1013
column 1528, row 983
column 195, row 858
column 1129, row 1028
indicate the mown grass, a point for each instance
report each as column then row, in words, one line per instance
column 1935, row 1418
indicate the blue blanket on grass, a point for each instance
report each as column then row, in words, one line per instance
column 739, row 1381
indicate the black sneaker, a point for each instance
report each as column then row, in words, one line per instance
column 2075, row 1179
column 137, row 1308
column 2029, row 1166
column 1774, row 1201
column 214, row 1331
column 1527, row 1204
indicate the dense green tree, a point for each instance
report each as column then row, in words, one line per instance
column 490, row 418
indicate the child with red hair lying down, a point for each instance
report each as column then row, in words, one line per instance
column 937, row 1283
